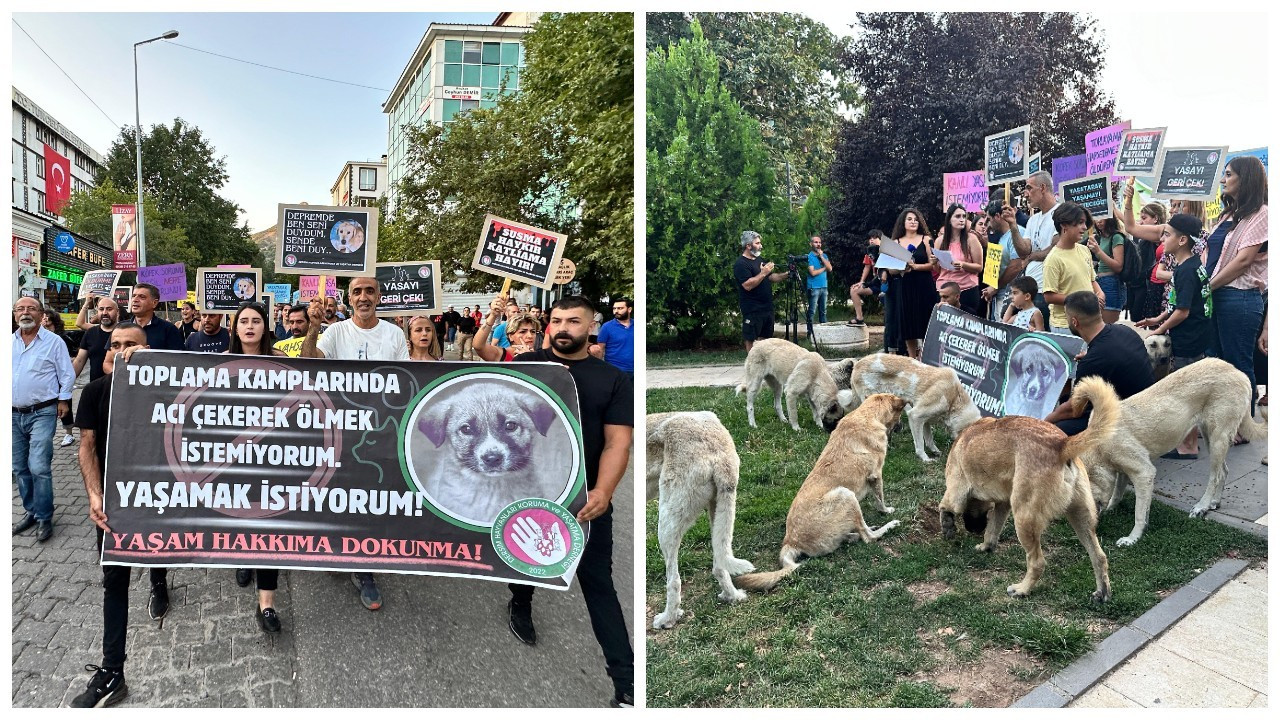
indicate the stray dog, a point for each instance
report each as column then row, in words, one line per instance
column 792, row 371
column 350, row 236
column 1033, row 469
column 1209, row 394
column 244, row 288
column 491, row 435
column 1034, row 377
column 692, row 465
column 826, row 512
column 1159, row 348
column 934, row 395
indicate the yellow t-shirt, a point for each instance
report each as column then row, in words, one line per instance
column 1067, row 271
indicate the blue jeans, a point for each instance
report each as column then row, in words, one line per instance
column 818, row 298
column 1237, row 317
column 33, row 458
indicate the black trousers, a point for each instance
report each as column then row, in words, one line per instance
column 595, row 575
column 115, row 607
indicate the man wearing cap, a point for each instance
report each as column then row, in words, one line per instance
column 755, row 279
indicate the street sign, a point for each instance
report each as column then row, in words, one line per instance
column 65, row 243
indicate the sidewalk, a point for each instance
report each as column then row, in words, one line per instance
column 1204, row 646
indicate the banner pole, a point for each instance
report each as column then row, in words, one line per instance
column 1006, row 193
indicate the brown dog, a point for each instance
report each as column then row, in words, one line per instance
column 1032, row 468
column 826, row 512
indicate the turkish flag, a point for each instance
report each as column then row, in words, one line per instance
column 57, row 180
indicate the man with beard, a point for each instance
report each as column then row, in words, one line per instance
column 212, row 337
column 616, row 342
column 331, row 310
column 604, row 396
column 189, row 317
column 362, row 337
column 42, row 382
column 755, row 279
column 93, row 345
column 161, row 334
column 296, row 325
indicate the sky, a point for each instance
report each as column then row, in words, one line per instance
column 284, row 137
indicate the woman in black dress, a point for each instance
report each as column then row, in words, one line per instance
column 915, row 291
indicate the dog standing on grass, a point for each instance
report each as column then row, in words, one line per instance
column 1033, row 469
column 691, row 465
column 934, row 395
column 827, row 512
column 792, row 371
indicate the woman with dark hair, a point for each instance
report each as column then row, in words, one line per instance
column 424, row 344
column 966, row 256
column 250, row 336
column 1236, row 260
column 1107, row 247
column 54, row 323
column 916, row 293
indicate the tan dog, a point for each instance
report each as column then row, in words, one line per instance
column 1209, row 394
column 827, row 511
column 692, row 465
column 792, row 371
column 1159, row 348
column 1032, row 468
column 934, row 395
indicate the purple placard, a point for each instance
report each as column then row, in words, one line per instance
column 1101, row 147
column 1068, row 168
column 170, row 279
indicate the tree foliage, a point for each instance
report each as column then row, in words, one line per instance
column 935, row 84
column 89, row 214
column 709, row 178
column 557, row 155
column 784, row 70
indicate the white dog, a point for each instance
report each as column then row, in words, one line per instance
column 934, row 395
column 1159, row 348
column 350, row 236
column 692, row 465
column 1035, row 376
column 792, row 371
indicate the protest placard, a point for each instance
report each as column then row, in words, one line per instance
column 309, row 287
column 964, row 188
column 1033, row 164
column 223, row 291
column 1005, row 369
column 1189, row 173
column 124, row 237
column 1093, row 193
column 1100, row 149
column 409, row 288
column 1006, row 155
column 249, row 461
column 170, row 279
column 325, row 240
column 281, row 291
column 520, row 252
column 122, row 295
column 99, row 283
column 991, row 265
column 1067, row 168
column 1139, row 152
column 565, row 272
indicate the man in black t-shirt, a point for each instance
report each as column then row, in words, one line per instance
column 605, row 402
column 93, row 345
column 161, row 334
column 1115, row 354
column 755, row 279
column 212, row 337
column 466, row 332
column 451, row 320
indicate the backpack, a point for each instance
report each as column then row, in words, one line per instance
column 1132, row 273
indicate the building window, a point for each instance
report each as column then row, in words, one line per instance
column 471, row 52
column 39, row 201
column 45, row 135
column 471, row 75
column 40, row 166
column 492, row 53
column 453, row 75
column 368, row 179
column 453, row 51
column 510, row 53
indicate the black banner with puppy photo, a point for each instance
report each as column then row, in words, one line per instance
column 439, row 468
column 409, row 288
column 224, row 290
column 1005, row 369
column 324, row 240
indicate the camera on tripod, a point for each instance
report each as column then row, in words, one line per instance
column 794, row 262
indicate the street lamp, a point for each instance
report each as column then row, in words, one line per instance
column 137, row 116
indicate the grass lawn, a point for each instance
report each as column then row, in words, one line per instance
column 913, row 621
column 727, row 350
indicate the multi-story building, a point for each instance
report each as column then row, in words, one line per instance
column 360, row 184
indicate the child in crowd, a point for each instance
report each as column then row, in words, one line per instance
column 1069, row 266
column 1022, row 311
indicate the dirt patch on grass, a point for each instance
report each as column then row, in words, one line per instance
column 927, row 591
column 997, row 679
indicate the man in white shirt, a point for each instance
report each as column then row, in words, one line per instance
column 1034, row 246
column 42, row 382
column 362, row 337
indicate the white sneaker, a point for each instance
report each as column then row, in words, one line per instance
column 67, row 439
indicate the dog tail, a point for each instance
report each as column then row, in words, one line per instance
column 740, row 389
column 760, row 582
column 1103, row 421
column 1251, row 430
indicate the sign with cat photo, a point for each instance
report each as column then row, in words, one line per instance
column 409, row 288
column 326, row 240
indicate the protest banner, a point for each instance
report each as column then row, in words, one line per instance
column 409, row 288
column 1093, row 193
column 1033, row 164
column 281, row 291
column 991, row 265
column 566, row 271
column 325, row 240
column 1213, row 208
column 1005, row 369
column 1100, row 149
column 964, row 188
column 519, row 252
column 1189, row 173
column 1139, row 152
column 122, row 295
column 99, row 283
column 250, row 461
column 309, row 287
column 1006, row 155
column 124, row 234
column 222, row 291
column 191, row 297
column 1067, row 168
column 170, row 279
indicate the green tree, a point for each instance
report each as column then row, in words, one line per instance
column 182, row 172
column 709, row 178
column 89, row 214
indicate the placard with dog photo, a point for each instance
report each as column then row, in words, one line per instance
column 1005, row 369
column 327, row 240
column 409, row 288
column 1007, row 154
column 521, row 252
column 223, row 291
column 436, row 468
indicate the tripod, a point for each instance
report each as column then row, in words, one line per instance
column 792, row 332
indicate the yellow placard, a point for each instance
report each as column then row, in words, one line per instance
column 291, row 346
column 991, row 268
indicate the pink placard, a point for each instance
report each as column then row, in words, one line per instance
column 308, row 284
column 966, row 188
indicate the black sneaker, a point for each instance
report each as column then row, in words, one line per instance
column 370, row 597
column 106, row 687
column 622, row 700
column 521, row 623
column 158, row 606
column 244, row 577
column 268, row 620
